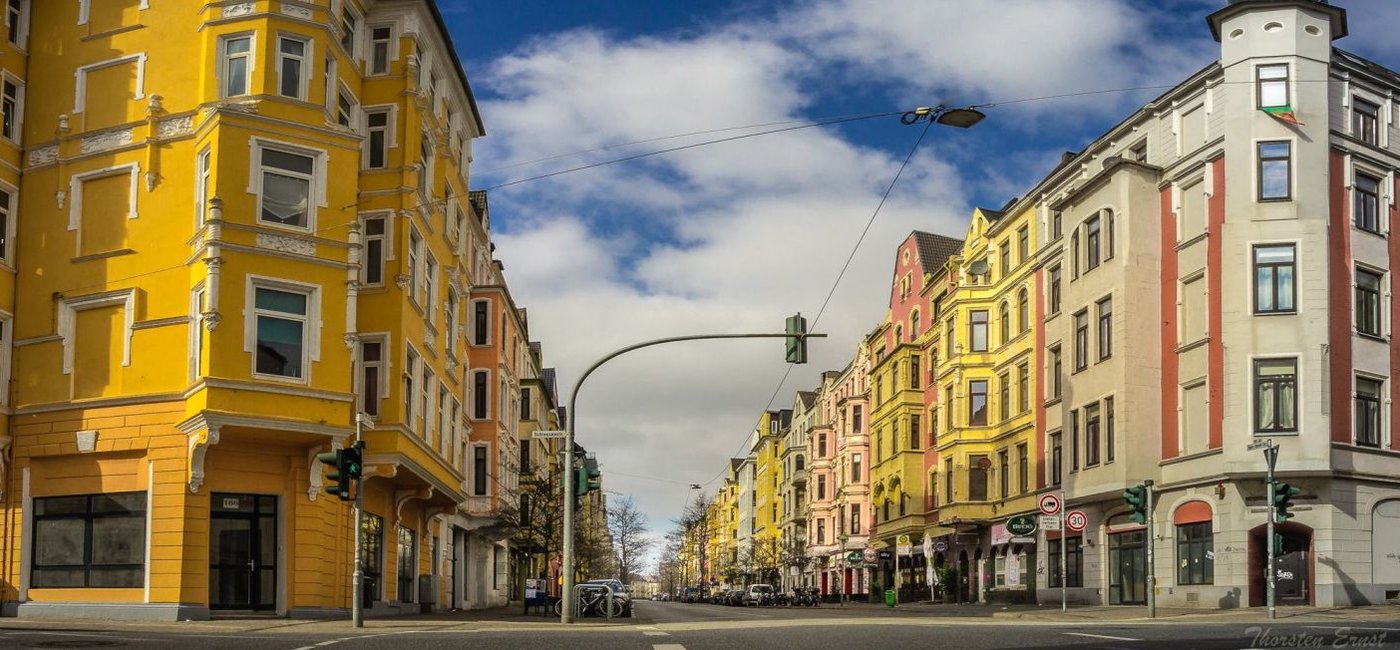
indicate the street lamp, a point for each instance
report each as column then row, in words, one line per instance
column 841, row 557
column 959, row 117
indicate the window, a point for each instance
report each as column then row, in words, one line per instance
column 1272, row 85
column 415, row 272
column 377, row 140
column 372, row 273
column 237, row 65
column 480, row 322
column 914, row 372
column 1057, row 224
column 855, row 518
column 1056, row 459
column 1365, row 202
column 949, row 337
column 1023, row 310
column 821, row 445
column 1074, row 561
column 1004, row 468
column 1074, row 254
column 349, row 23
column 977, row 330
column 1368, row 302
column 1275, row 395
column 96, row 540
column 331, row 80
column 526, row 403
column 449, row 322
column 1368, row 412
column 1195, row 554
column 1363, row 120
column 425, row 163
column 479, row 395
column 291, row 66
column 408, row 563
column 371, row 370
column 977, row 403
column 1092, row 443
column 821, row 531
column 948, row 479
column 914, row 431
column 1274, row 289
column 202, row 169
column 1091, row 242
column 1109, row 234
column 6, row 223
column 1023, row 387
column 1004, row 316
column 1055, row 289
column 1056, row 370
column 821, row 487
column 1081, row 340
column 426, row 395
column 1138, row 153
column 345, row 110
column 1004, row 398
column 1023, row 467
column 1108, row 430
column 430, row 272
column 856, row 424
column 14, row 21
column 282, row 319
column 379, row 49
column 1275, row 171
column 855, row 468
column 1074, row 440
column 10, row 103
column 1005, row 259
column 1105, row 308
column 286, row 188
column 410, row 372
column 1023, row 244
column 479, row 470
column 977, row 477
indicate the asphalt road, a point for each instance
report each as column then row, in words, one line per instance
column 675, row 626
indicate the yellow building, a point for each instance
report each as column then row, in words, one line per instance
column 722, row 552
column 766, row 547
column 983, row 461
column 195, row 193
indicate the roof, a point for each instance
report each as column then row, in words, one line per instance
column 807, row 397
column 934, row 250
column 735, row 463
column 547, row 376
column 1336, row 15
column 456, row 64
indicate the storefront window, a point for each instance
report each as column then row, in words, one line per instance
column 1074, row 562
column 1195, row 554
column 94, row 540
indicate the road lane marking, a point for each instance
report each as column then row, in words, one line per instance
column 1350, row 627
column 668, row 646
column 654, row 633
column 1100, row 636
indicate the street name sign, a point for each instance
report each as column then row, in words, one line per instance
column 548, row 434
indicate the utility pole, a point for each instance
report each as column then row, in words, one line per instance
column 1151, row 543
column 1064, row 557
column 794, row 350
column 1271, row 456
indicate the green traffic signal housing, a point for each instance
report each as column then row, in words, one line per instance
column 1136, row 498
column 347, row 467
column 586, row 479
column 1282, row 496
column 796, row 339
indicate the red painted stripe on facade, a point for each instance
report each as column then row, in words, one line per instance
column 1339, row 300
column 1215, row 351
column 1039, row 327
column 1394, row 244
column 1168, row 337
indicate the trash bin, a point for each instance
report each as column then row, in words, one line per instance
column 889, row 597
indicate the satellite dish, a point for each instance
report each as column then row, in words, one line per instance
column 980, row 267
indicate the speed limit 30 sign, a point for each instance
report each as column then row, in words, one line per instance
column 1076, row 520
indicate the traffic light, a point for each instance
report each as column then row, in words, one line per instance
column 796, row 339
column 1282, row 495
column 586, row 479
column 347, row 465
column 1136, row 498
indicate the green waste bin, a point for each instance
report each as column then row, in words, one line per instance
column 889, row 597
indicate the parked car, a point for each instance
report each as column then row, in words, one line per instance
column 690, row 595
column 759, row 595
column 620, row 592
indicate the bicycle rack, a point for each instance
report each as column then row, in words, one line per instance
column 578, row 598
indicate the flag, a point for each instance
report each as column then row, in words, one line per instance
column 1283, row 113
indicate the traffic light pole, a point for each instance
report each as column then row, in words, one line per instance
column 567, row 614
column 1270, row 456
column 357, row 598
column 1151, row 568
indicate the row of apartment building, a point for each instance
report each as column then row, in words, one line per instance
column 1213, row 271
column 281, row 189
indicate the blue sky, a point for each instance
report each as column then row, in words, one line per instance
column 736, row 236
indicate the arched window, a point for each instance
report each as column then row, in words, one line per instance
column 1023, row 311
column 1005, row 316
column 914, row 325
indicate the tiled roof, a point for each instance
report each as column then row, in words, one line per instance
column 934, row 250
column 547, row 376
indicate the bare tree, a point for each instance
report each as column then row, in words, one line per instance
column 629, row 537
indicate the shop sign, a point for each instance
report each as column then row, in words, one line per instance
column 1021, row 526
column 1000, row 535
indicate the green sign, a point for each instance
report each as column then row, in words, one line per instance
column 855, row 557
column 1021, row 526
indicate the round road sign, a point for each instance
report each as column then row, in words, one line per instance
column 940, row 546
column 869, row 555
column 1076, row 520
column 1049, row 504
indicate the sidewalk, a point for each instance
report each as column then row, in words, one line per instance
column 1388, row 612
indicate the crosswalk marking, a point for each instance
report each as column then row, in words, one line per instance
column 1101, row 636
column 668, row 646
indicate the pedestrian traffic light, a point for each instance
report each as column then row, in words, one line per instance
column 347, row 467
column 1278, row 544
column 1282, row 495
column 1136, row 498
column 586, row 479
column 796, row 339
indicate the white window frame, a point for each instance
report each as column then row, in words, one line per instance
column 416, row 246
column 471, row 390
column 384, row 364
column 412, row 360
column 330, row 69
column 317, row 199
column 451, row 320
column 1383, row 424
column 1259, row 181
column 455, row 447
column 17, row 120
column 472, row 329
column 221, row 72
column 85, row 9
column 353, row 115
column 303, row 67
column 389, row 128
column 75, row 191
column 385, row 247
column 427, row 152
column 68, row 320
column 444, row 414
column 428, row 379
column 430, row 285
column 7, row 337
column 80, row 92
column 1385, row 194
column 392, row 54
column 356, row 31
column 22, row 34
column 471, row 464
column 196, row 324
column 311, row 352
column 203, row 174
column 7, row 254
column 1299, row 377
